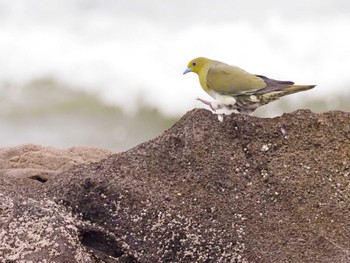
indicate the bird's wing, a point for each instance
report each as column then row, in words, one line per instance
column 273, row 85
column 231, row 80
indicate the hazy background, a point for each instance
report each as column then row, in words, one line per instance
column 108, row 73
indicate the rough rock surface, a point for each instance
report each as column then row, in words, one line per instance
column 40, row 157
column 35, row 229
column 30, row 161
column 245, row 190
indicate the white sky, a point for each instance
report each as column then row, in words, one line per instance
column 127, row 50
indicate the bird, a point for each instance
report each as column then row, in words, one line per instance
column 236, row 89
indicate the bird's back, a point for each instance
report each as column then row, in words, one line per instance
column 232, row 80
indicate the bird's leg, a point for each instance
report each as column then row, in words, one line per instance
column 213, row 105
column 206, row 103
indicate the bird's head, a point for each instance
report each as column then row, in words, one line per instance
column 196, row 65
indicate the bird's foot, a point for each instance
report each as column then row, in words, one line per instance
column 212, row 104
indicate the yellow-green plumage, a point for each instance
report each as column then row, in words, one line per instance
column 238, row 89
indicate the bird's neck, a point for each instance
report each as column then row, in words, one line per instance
column 202, row 74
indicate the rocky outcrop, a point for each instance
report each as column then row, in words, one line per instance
column 35, row 228
column 244, row 190
column 48, row 158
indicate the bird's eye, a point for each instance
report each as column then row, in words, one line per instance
column 194, row 64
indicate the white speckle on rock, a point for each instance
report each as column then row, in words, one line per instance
column 220, row 117
column 264, row 148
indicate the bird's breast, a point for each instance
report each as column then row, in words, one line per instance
column 224, row 99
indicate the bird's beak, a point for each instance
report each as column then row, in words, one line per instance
column 187, row 70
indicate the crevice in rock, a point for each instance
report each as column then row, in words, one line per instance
column 39, row 178
column 103, row 247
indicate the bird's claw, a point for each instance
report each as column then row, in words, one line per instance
column 210, row 104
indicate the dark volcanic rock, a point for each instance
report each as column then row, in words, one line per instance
column 244, row 190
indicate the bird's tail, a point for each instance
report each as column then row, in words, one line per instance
column 247, row 104
column 295, row 88
column 276, row 94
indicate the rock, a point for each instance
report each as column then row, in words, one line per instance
column 48, row 158
column 38, row 231
column 29, row 161
column 205, row 191
column 35, row 229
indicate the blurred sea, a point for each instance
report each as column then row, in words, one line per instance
column 109, row 73
column 50, row 113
